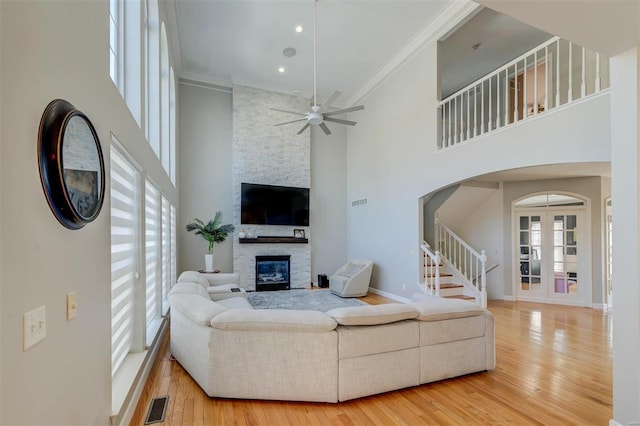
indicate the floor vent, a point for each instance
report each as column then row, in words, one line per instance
column 360, row 202
column 157, row 410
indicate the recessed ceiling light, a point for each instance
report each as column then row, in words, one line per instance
column 281, row 70
column 289, row 52
column 299, row 29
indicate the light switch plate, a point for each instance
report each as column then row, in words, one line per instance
column 72, row 305
column 34, row 327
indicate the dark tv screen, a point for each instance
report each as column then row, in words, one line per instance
column 274, row 205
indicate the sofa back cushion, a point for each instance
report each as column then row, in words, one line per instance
column 194, row 277
column 373, row 314
column 432, row 308
column 187, row 287
column 274, row 320
column 198, row 309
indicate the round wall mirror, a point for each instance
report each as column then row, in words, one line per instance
column 71, row 164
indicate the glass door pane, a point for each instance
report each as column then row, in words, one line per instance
column 565, row 255
column 530, row 252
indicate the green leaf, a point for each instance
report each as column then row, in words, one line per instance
column 213, row 231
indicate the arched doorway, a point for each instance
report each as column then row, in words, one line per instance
column 552, row 244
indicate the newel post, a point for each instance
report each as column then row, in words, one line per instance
column 437, row 273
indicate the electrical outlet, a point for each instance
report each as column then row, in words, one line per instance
column 72, row 305
column 34, row 326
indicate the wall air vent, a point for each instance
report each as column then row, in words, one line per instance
column 359, row 202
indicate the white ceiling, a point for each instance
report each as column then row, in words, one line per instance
column 228, row 42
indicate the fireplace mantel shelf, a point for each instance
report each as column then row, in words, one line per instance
column 273, row 240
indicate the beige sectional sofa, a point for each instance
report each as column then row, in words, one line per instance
column 234, row 351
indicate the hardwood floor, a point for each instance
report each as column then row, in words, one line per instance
column 554, row 367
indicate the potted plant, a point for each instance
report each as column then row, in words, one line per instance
column 212, row 232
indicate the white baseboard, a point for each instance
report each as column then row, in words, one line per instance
column 507, row 298
column 614, row 423
column 601, row 306
column 389, row 295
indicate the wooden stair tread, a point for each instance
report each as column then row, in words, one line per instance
column 441, row 274
column 460, row 296
column 450, row 286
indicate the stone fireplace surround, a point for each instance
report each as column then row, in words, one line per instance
column 268, row 155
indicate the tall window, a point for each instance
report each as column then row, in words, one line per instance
column 172, row 126
column 152, row 257
column 153, row 76
column 164, row 100
column 140, row 66
column 125, row 236
column 166, row 252
column 114, row 41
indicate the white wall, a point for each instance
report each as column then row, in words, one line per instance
column 483, row 230
column 205, row 172
column 328, row 200
column 56, row 50
column 625, row 170
column 392, row 160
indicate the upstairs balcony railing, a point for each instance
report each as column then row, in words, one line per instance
column 551, row 75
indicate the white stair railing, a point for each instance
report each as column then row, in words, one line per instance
column 431, row 267
column 467, row 263
column 548, row 76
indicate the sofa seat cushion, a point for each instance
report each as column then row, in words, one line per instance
column 235, row 303
column 199, row 309
column 274, row 320
column 432, row 308
column 357, row 340
column 373, row 314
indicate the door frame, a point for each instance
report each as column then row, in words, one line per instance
column 587, row 269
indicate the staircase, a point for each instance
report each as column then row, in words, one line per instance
column 454, row 269
column 448, row 287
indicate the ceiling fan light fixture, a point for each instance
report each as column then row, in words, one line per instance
column 314, row 117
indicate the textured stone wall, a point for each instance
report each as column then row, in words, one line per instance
column 265, row 154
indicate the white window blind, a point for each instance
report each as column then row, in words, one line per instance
column 166, row 252
column 174, row 244
column 124, row 240
column 152, row 253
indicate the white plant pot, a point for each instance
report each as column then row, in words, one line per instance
column 208, row 263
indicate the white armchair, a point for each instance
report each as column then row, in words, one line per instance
column 352, row 279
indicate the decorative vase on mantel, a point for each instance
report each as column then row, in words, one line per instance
column 208, row 263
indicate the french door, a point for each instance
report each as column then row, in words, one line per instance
column 550, row 256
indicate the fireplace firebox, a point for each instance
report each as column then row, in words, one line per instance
column 272, row 273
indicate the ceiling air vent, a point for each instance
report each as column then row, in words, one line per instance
column 359, row 202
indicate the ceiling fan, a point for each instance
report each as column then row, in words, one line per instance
column 319, row 114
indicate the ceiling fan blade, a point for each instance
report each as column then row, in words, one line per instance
column 303, row 129
column 292, row 121
column 338, row 120
column 287, row 111
column 302, row 98
column 345, row 110
column 330, row 100
column 325, row 129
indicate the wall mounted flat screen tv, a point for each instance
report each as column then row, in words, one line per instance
column 274, row 205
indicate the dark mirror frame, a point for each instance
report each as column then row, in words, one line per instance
column 51, row 139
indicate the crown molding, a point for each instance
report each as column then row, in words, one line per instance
column 458, row 11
